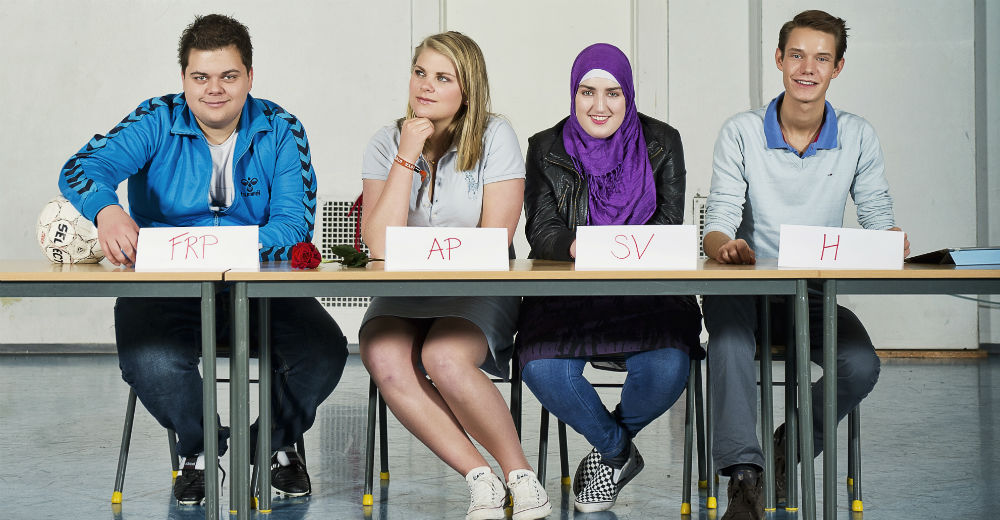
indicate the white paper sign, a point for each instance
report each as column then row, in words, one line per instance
column 830, row 247
column 446, row 249
column 209, row 248
column 636, row 247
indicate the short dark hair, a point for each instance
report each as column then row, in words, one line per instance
column 820, row 21
column 215, row 31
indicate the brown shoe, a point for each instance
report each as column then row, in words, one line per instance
column 746, row 501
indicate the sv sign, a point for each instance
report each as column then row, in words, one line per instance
column 636, row 247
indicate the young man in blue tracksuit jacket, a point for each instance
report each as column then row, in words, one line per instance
column 211, row 156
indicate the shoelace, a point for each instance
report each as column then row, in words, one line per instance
column 222, row 484
column 488, row 494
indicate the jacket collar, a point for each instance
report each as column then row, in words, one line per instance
column 186, row 124
column 557, row 152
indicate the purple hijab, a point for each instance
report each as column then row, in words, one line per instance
column 620, row 177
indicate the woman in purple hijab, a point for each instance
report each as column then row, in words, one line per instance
column 605, row 164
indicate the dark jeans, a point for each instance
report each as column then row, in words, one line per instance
column 159, row 344
column 654, row 380
column 732, row 322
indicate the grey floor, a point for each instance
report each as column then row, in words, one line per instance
column 930, row 432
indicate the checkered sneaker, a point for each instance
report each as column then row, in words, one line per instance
column 586, row 471
column 605, row 482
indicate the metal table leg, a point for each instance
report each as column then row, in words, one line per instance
column 829, row 399
column 264, row 417
column 239, row 405
column 805, row 400
column 209, row 401
column 766, row 402
column 791, row 417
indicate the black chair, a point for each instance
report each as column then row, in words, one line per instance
column 117, row 496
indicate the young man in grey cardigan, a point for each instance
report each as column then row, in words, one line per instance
column 792, row 162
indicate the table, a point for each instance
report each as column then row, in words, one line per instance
column 525, row 278
column 41, row 278
column 912, row 279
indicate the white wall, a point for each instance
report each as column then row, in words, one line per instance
column 75, row 68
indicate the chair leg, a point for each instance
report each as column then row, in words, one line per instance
column 255, row 493
column 699, row 405
column 116, row 496
column 300, row 447
column 175, row 464
column 383, row 439
column 367, row 499
column 515, row 396
column 543, row 445
column 854, row 457
column 563, row 454
column 688, row 444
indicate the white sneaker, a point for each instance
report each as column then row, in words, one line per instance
column 488, row 495
column 528, row 496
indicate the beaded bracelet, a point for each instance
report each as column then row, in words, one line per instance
column 410, row 166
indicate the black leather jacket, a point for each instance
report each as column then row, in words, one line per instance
column 556, row 194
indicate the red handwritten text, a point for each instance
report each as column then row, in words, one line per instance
column 835, row 246
column 624, row 251
column 190, row 245
column 450, row 245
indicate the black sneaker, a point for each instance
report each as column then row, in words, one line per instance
column 780, row 472
column 189, row 486
column 288, row 474
column 603, row 482
column 746, row 492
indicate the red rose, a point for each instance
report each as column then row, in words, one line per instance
column 305, row 256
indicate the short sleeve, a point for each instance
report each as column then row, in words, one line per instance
column 379, row 153
column 502, row 159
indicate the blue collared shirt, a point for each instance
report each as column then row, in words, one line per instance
column 826, row 140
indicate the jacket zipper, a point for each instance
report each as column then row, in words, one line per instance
column 576, row 192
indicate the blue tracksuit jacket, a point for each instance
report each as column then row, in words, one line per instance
column 162, row 151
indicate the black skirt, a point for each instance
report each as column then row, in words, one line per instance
column 584, row 327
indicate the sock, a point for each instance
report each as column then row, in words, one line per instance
column 619, row 460
column 282, row 456
column 200, row 464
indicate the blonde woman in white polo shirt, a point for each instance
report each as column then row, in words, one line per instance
column 449, row 163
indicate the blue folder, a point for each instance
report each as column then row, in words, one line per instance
column 961, row 256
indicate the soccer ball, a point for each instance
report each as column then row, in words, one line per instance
column 66, row 236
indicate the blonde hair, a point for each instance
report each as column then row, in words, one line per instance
column 469, row 125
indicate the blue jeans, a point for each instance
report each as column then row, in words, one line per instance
column 654, row 380
column 159, row 344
